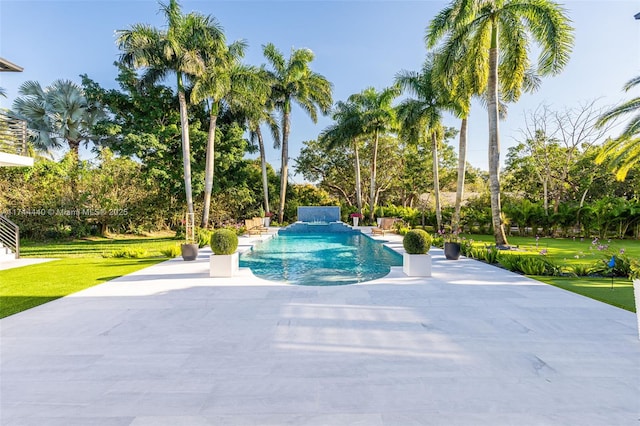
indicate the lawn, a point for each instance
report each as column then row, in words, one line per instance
column 569, row 251
column 81, row 265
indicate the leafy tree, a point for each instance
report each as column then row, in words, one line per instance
column 623, row 152
column 330, row 168
column 498, row 33
column 293, row 81
column 144, row 124
column 180, row 49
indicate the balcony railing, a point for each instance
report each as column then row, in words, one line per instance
column 13, row 135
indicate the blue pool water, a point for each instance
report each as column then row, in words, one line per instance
column 320, row 259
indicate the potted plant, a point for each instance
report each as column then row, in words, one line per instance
column 224, row 262
column 355, row 217
column 416, row 262
column 451, row 245
column 189, row 249
column 267, row 219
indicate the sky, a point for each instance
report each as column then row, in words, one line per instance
column 358, row 44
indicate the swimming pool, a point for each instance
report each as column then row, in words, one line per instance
column 320, row 259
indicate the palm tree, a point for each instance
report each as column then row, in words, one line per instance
column 423, row 114
column 378, row 117
column 58, row 115
column 496, row 33
column 623, row 152
column 294, row 82
column 347, row 130
column 179, row 49
column 222, row 68
column 253, row 107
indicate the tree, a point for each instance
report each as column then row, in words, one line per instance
column 497, row 33
column 347, row 131
column 222, row 71
column 253, row 107
column 179, row 49
column 58, row 115
column 378, row 118
column 623, row 152
column 554, row 140
column 293, row 81
column 423, row 114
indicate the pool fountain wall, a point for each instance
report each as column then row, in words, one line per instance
column 319, row 214
column 318, row 220
column 318, row 228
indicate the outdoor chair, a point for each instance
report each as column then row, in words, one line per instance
column 254, row 226
column 386, row 225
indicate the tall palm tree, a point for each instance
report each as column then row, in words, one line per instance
column 623, row 152
column 378, row 117
column 294, row 82
column 497, row 33
column 222, row 71
column 179, row 49
column 253, row 107
column 423, row 114
column 347, row 130
column 58, row 115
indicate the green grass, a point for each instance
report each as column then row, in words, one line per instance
column 81, row 265
column 566, row 251
column 29, row 286
column 597, row 288
column 569, row 251
column 95, row 247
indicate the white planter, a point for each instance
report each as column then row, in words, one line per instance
column 636, row 292
column 266, row 221
column 416, row 265
column 355, row 221
column 224, row 265
column 379, row 221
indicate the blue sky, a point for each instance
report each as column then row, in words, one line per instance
column 357, row 44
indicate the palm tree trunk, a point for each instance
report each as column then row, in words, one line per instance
column 462, row 166
column 186, row 149
column 284, row 170
column 358, row 183
column 436, row 179
column 372, row 189
column 263, row 165
column 209, row 162
column 74, row 149
column 494, row 141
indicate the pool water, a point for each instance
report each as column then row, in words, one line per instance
column 320, row 259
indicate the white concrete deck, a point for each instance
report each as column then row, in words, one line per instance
column 472, row 345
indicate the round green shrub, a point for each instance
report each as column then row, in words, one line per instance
column 417, row 241
column 224, row 241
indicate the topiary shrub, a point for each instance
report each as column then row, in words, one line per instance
column 224, row 241
column 417, row 241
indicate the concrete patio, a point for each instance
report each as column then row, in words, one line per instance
column 472, row 345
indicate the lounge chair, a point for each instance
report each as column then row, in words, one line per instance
column 254, row 226
column 386, row 225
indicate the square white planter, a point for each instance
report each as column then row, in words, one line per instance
column 416, row 265
column 636, row 292
column 224, row 265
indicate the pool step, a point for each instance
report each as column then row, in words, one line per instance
column 318, row 228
